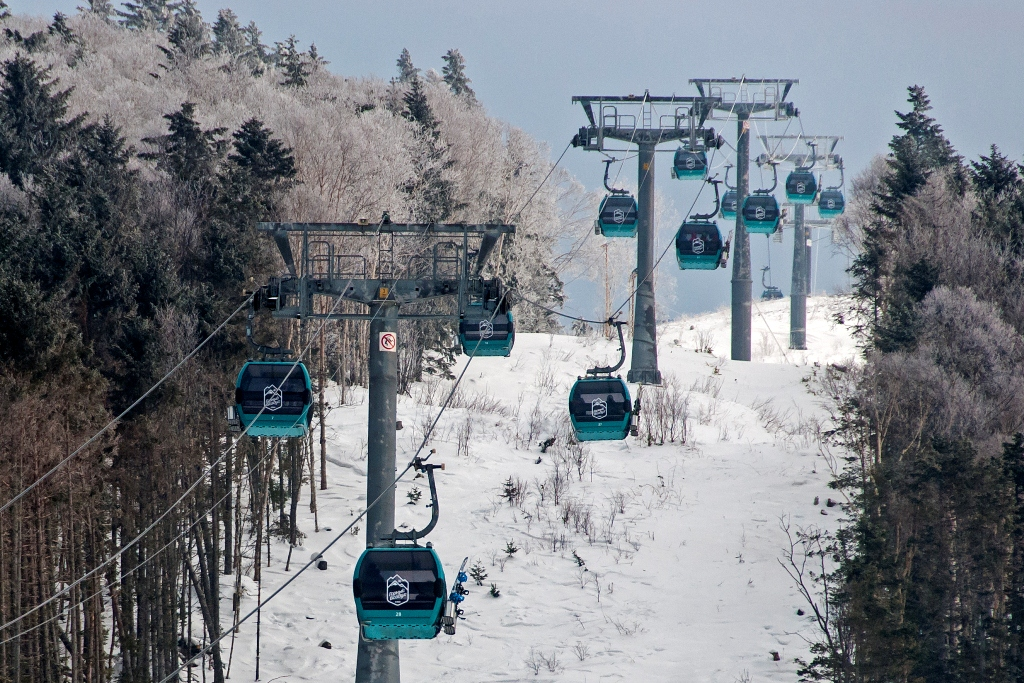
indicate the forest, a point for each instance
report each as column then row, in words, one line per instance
column 925, row 580
column 138, row 148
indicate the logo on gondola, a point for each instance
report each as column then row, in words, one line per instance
column 697, row 245
column 691, row 163
column 398, row 591
column 599, row 409
column 801, row 188
column 273, row 399
column 830, row 204
column 619, row 216
column 759, row 213
column 486, row 329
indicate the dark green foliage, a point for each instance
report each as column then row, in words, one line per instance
column 187, row 153
column 407, row 73
column 997, row 181
column 31, row 43
column 880, row 288
column 417, row 108
column 454, row 72
column 227, row 34
column 5, row 11
column 188, row 35
column 32, row 126
column 293, row 63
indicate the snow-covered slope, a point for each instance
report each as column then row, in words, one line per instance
column 680, row 542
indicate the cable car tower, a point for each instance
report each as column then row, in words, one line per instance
column 449, row 266
column 634, row 120
column 816, row 155
column 745, row 99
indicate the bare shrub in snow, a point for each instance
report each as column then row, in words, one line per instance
column 664, row 414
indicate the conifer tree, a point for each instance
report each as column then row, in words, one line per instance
column 416, row 106
column 32, row 125
column 187, row 152
column 454, row 72
column 5, row 12
column 101, row 8
column 291, row 61
column 189, row 35
column 315, row 59
column 148, row 14
column 407, row 73
column 227, row 34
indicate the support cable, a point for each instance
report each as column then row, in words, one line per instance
column 127, row 410
column 163, row 515
column 174, row 674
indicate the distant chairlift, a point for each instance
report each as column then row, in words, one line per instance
column 618, row 214
column 801, row 187
column 699, row 243
column 761, row 210
column 731, row 198
column 599, row 404
column 770, row 291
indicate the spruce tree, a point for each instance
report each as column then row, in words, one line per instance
column 416, row 106
column 227, row 34
column 33, row 129
column 148, row 15
column 291, row 61
column 454, row 72
column 187, row 152
column 407, row 73
column 189, row 35
column 100, row 8
column 5, row 12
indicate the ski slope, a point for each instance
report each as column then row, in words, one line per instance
column 681, row 580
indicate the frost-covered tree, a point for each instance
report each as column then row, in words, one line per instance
column 99, row 8
column 5, row 11
column 407, row 73
column 148, row 14
column 454, row 72
column 315, row 60
column 189, row 35
column 292, row 62
column 228, row 37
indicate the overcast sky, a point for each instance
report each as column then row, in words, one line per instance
column 527, row 58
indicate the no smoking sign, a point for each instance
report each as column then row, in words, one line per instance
column 388, row 342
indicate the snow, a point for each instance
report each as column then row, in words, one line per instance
column 685, row 584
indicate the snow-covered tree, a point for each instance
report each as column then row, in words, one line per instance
column 454, row 72
column 149, row 14
column 407, row 73
column 292, row 62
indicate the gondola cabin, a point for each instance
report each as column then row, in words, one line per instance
column 617, row 216
column 699, row 245
column 399, row 592
column 801, row 187
column 730, row 204
column 688, row 164
column 831, row 203
column 273, row 399
column 600, row 409
column 483, row 332
column 761, row 214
